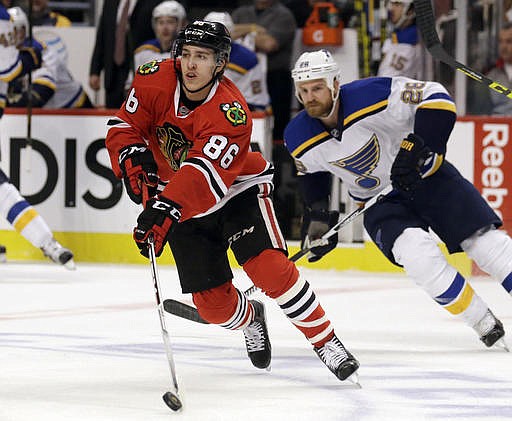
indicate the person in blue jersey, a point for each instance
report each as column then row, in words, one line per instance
column 379, row 131
column 402, row 52
column 14, row 63
column 246, row 68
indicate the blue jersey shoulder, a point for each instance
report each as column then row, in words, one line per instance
column 242, row 57
column 407, row 35
column 304, row 132
column 363, row 98
column 4, row 15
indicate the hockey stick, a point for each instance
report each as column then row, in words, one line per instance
column 334, row 230
column 427, row 25
column 188, row 312
column 171, row 399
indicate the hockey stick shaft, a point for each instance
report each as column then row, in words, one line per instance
column 188, row 312
column 427, row 25
column 161, row 315
column 29, row 87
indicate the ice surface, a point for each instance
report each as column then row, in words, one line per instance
column 87, row 345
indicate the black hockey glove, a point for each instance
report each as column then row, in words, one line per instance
column 138, row 166
column 406, row 169
column 316, row 223
column 157, row 219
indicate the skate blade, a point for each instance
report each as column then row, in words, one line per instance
column 354, row 379
column 500, row 343
column 70, row 264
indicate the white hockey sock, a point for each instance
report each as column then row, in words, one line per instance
column 492, row 252
column 424, row 262
column 23, row 217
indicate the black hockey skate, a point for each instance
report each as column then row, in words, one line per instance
column 490, row 330
column 334, row 355
column 256, row 338
column 3, row 257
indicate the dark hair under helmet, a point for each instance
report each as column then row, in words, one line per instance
column 207, row 34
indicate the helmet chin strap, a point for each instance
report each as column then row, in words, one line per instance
column 334, row 99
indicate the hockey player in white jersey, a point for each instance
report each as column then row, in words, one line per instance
column 53, row 86
column 168, row 18
column 18, row 212
column 402, row 51
column 379, row 131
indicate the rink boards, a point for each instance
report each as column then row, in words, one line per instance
column 66, row 175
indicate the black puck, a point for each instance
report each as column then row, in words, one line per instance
column 172, row 401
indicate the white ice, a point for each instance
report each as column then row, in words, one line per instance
column 87, row 345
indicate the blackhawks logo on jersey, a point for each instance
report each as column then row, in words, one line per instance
column 234, row 113
column 173, row 144
column 149, row 68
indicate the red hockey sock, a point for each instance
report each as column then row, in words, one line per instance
column 225, row 306
column 279, row 278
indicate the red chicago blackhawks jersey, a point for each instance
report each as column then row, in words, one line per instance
column 203, row 155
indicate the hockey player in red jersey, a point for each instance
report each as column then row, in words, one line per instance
column 184, row 130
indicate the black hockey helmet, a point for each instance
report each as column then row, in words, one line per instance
column 207, row 34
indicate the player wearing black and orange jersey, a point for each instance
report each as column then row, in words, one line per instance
column 183, row 135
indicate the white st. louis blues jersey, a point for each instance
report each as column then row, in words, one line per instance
column 375, row 115
column 403, row 54
column 10, row 63
column 54, row 73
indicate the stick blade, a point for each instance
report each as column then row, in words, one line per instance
column 183, row 310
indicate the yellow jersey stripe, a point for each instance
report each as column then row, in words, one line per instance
column 309, row 143
column 363, row 111
column 439, row 105
column 237, row 68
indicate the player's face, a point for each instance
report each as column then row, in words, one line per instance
column 316, row 97
column 505, row 45
column 197, row 66
column 396, row 9
column 166, row 28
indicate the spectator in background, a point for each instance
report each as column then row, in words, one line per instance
column 273, row 27
column 53, row 85
column 123, row 26
column 245, row 68
column 502, row 73
column 167, row 20
column 402, row 51
column 42, row 15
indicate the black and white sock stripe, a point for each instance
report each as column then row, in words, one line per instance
column 236, row 321
column 298, row 303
